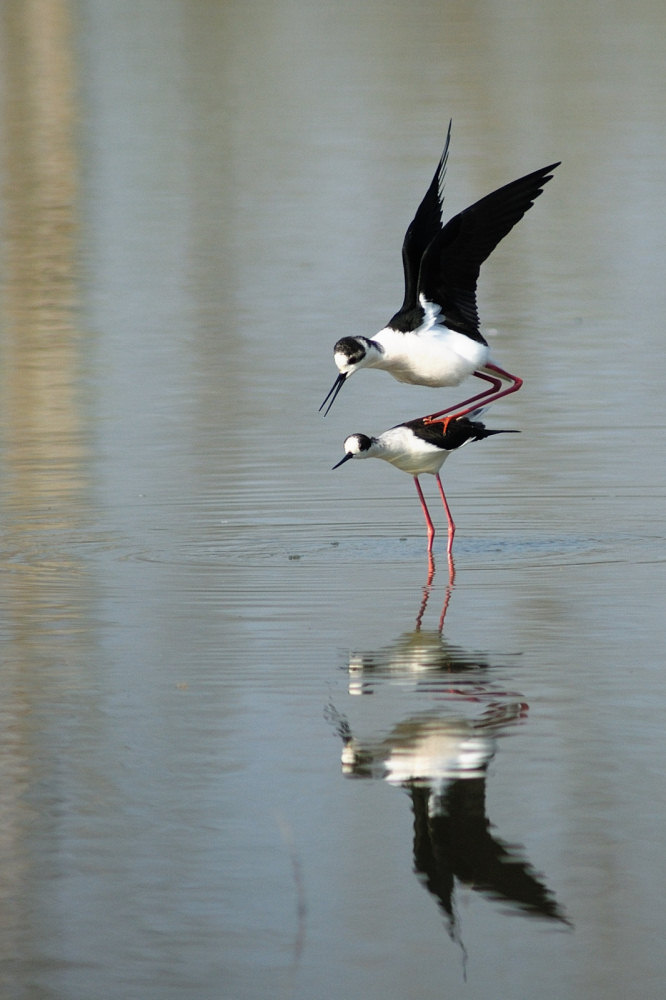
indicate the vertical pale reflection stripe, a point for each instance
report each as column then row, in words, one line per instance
column 43, row 591
column 40, row 415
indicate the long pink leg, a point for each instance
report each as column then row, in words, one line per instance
column 489, row 396
column 429, row 525
column 452, row 527
column 496, row 384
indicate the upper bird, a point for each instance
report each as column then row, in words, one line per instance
column 434, row 339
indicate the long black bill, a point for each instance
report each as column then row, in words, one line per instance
column 335, row 389
column 343, row 460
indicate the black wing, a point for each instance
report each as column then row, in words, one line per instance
column 454, row 433
column 423, row 228
column 451, row 264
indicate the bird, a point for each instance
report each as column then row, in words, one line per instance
column 422, row 446
column 434, row 339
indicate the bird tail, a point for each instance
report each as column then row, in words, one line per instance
column 479, row 411
column 487, row 431
column 481, row 430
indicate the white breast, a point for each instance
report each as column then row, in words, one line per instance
column 430, row 355
column 408, row 453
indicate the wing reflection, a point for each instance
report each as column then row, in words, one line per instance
column 441, row 759
column 453, row 840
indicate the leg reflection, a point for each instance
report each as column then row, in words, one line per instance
column 427, row 590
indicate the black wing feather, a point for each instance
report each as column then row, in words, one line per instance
column 423, row 228
column 451, row 264
column 452, row 434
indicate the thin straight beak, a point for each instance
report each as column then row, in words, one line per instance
column 343, row 460
column 332, row 395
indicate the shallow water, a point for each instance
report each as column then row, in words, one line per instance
column 249, row 747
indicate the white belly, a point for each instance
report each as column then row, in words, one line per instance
column 434, row 357
column 399, row 447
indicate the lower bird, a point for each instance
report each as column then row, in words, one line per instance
column 422, row 446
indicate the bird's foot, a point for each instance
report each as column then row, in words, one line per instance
column 445, row 421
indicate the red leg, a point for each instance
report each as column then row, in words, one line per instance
column 496, row 383
column 489, row 396
column 426, row 514
column 515, row 380
column 452, row 527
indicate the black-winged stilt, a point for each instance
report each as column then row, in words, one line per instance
column 421, row 446
column 434, row 339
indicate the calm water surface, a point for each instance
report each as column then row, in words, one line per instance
column 249, row 747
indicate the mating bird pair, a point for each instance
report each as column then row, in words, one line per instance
column 434, row 339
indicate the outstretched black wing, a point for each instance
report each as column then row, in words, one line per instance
column 423, row 228
column 450, row 266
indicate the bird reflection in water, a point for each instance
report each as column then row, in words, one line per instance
column 440, row 754
column 418, row 653
column 427, row 588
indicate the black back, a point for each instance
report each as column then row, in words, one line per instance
column 452, row 434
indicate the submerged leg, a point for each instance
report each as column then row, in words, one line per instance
column 426, row 514
column 449, row 591
column 427, row 587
